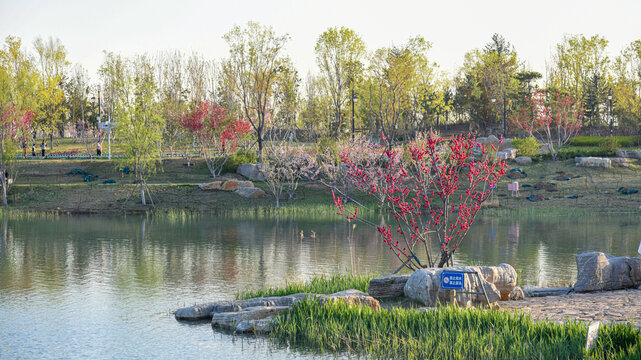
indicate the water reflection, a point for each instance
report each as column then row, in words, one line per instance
column 90, row 286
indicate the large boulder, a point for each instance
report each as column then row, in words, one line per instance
column 597, row 271
column 424, row 285
column 493, row 140
column 353, row 297
column 251, row 171
column 245, row 320
column 505, row 144
column 523, row 160
column 230, row 185
column 630, row 154
column 388, row 286
column 214, row 185
column 620, row 162
column 509, row 153
column 195, row 313
column 250, row 192
column 593, row 162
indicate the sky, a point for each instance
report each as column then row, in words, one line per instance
column 454, row 27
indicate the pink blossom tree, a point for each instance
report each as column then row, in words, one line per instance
column 286, row 164
column 216, row 132
column 433, row 198
column 552, row 120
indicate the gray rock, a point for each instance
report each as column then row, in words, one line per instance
column 631, row 154
column 552, row 291
column 196, row 312
column 423, row 286
column 620, row 162
column 388, row 286
column 506, row 154
column 354, row 297
column 214, row 185
column 482, row 140
column 251, row 171
column 205, row 311
column 244, row 320
column 545, row 148
column 517, row 294
column 506, row 144
column 250, row 192
column 593, row 162
column 597, row 271
column 523, row 160
column 493, row 140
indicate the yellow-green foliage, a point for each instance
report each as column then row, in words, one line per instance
column 610, row 144
column 527, row 146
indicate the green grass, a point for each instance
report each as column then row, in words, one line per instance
column 319, row 284
column 446, row 333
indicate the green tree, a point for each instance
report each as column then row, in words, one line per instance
column 17, row 99
column 256, row 56
column 139, row 124
column 287, row 97
column 392, row 77
column 53, row 64
column 580, row 68
column 172, row 95
column 339, row 54
column 626, row 89
column 486, row 84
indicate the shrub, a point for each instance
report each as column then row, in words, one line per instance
column 624, row 141
column 527, row 147
column 570, row 152
column 610, row 144
column 240, row 157
column 328, row 150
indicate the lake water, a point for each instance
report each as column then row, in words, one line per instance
column 105, row 287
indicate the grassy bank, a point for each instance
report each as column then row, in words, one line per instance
column 43, row 185
column 447, row 333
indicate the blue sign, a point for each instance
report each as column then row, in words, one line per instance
column 452, row 280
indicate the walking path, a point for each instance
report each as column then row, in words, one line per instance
column 606, row 306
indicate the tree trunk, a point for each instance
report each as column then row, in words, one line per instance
column 4, row 190
column 142, row 191
column 445, row 256
column 260, row 148
column 51, row 141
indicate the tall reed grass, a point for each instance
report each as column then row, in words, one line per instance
column 446, row 333
column 319, row 284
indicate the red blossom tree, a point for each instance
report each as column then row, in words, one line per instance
column 433, row 199
column 216, row 133
column 15, row 128
column 552, row 121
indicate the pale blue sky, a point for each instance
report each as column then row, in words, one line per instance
column 454, row 27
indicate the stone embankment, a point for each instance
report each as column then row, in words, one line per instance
column 258, row 315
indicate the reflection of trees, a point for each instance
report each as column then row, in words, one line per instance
column 231, row 254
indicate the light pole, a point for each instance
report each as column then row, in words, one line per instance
column 93, row 100
column 611, row 118
column 354, row 100
column 493, row 103
column 503, row 117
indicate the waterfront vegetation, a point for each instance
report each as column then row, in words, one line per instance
column 447, row 333
column 318, row 284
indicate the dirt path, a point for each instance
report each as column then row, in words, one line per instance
column 607, row 306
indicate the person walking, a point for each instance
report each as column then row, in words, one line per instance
column 98, row 149
column 33, row 150
column 43, row 147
